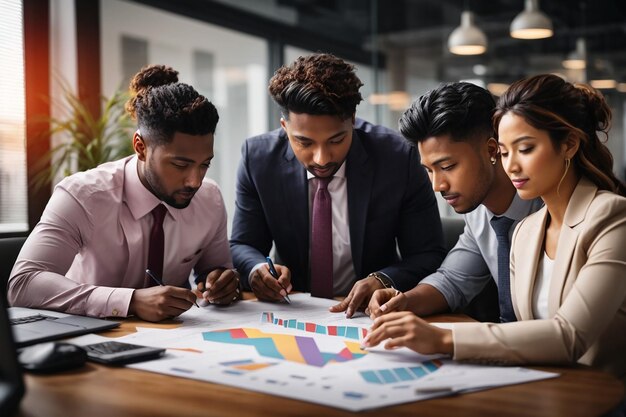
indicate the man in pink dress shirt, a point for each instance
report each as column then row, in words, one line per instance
column 89, row 252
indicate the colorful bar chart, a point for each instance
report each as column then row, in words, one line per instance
column 350, row 332
column 244, row 366
column 300, row 349
column 247, row 365
column 393, row 375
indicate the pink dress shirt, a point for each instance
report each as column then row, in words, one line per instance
column 89, row 251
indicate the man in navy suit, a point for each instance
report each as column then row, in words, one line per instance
column 386, row 230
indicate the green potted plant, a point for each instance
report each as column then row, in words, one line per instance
column 90, row 140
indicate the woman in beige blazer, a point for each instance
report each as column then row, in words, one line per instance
column 568, row 260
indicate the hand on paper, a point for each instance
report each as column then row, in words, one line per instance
column 404, row 329
column 358, row 297
column 268, row 288
column 221, row 287
column 386, row 301
column 160, row 303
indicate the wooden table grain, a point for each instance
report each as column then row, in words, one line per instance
column 100, row 391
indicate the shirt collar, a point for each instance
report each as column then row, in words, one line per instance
column 518, row 209
column 138, row 198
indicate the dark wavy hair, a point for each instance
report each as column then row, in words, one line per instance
column 319, row 84
column 549, row 103
column 162, row 106
column 461, row 110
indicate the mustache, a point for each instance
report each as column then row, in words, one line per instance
column 188, row 190
column 324, row 167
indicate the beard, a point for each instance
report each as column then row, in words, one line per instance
column 156, row 187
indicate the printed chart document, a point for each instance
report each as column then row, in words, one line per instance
column 302, row 351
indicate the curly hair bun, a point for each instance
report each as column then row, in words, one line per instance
column 153, row 76
column 598, row 110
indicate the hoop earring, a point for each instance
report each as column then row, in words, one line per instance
column 567, row 164
column 493, row 160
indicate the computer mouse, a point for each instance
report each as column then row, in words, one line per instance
column 52, row 357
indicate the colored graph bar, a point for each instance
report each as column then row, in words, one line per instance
column 393, row 375
column 351, row 332
column 388, row 376
column 403, row 374
column 371, row 377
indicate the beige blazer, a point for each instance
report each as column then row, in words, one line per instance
column 586, row 298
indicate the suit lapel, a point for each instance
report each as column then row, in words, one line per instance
column 577, row 207
column 295, row 199
column 359, row 176
column 526, row 261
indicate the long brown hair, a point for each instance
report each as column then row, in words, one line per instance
column 547, row 102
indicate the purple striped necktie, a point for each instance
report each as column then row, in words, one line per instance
column 322, row 241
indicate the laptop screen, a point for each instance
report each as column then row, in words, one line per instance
column 11, row 379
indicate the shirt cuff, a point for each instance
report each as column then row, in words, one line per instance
column 109, row 302
column 254, row 268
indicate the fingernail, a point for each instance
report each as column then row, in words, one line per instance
column 290, row 287
column 365, row 342
column 283, row 293
column 383, row 308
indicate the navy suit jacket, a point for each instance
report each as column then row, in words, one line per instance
column 391, row 208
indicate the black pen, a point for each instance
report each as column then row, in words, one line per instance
column 158, row 281
column 275, row 275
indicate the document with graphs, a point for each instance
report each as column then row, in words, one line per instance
column 302, row 351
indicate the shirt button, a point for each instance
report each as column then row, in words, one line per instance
column 115, row 312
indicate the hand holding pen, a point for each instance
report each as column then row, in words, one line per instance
column 160, row 283
column 220, row 286
column 274, row 273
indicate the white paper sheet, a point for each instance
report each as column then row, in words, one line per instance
column 237, row 346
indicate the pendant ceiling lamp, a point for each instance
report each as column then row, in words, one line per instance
column 531, row 23
column 577, row 59
column 467, row 39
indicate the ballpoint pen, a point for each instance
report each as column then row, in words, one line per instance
column 270, row 264
column 158, row 281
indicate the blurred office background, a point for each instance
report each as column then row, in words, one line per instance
column 228, row 50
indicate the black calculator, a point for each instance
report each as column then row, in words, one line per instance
column 118, row 353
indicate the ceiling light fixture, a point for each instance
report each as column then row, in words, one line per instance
column 577, row 59
column 531, row 23
column 604, row 83
column 467, row 39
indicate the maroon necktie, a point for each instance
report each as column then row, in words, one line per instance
column 322, row 242
column 157, row 244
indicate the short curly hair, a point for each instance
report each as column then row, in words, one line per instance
column 163, row 106
column 319, row 84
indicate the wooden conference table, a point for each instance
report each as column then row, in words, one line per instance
column 100, row 391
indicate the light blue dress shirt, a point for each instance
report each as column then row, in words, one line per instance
column 473, row 260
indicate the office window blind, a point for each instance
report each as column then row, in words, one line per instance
column 13, row 191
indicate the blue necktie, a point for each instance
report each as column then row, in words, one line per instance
column 501, row 226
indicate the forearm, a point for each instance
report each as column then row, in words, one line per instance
column 426, row 300
column 52, row 291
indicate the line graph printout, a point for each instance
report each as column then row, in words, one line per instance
column 232, row 346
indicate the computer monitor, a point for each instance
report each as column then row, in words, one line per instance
column 11, row 378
